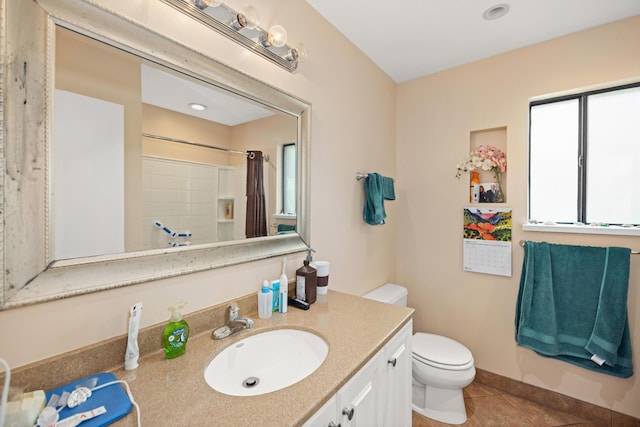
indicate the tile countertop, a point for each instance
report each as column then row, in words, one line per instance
column 174, row 392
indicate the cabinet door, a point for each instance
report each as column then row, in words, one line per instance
column 325, row 416
column 359, row 399
column 396, row 391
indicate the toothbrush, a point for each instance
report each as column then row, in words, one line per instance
column 283, row 295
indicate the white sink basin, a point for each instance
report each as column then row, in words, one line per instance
column 266, row 362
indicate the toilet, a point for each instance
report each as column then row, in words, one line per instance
column 442, row 367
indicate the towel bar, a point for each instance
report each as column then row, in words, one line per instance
column 522, row 242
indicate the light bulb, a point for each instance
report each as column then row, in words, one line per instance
column 297, row 53
column 247, row 18
column 302, row 52
column 251, row 16
column 203, row 4
column 276, row 36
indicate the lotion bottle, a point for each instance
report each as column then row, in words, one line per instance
column 176, row 333
column 306, row 281
column 265, row 301
column 474, row 193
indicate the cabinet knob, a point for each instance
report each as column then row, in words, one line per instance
column 392, row 361
column 348, row 412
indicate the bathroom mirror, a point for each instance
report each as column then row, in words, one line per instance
column 152, row 199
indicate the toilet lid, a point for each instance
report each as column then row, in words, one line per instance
column 441, row 352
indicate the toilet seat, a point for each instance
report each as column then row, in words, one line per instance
column 441, row 352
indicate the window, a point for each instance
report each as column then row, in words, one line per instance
column 289, row 178
column 582, row 153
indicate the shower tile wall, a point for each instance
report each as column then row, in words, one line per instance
column 183, row 197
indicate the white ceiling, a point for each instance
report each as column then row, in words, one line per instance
column 166, row 90
column 413, row 38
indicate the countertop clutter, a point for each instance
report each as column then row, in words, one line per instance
column 174, row 392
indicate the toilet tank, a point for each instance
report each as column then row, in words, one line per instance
column 389, row 293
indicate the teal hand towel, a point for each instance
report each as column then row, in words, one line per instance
column 388, row 189
column 377, row 189
column 572, row 305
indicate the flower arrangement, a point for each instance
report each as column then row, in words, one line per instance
column 486, row 158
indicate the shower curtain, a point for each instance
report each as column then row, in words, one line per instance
column 256, row 219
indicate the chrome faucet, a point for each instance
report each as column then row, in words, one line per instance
column 234, row 324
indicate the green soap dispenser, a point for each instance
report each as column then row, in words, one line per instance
column 176, row 333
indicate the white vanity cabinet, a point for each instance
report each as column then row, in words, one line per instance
column 325, row 416
column 377, row 395
column 396, row 388
column 359, row 399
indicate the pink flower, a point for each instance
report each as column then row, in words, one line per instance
column 484, row 157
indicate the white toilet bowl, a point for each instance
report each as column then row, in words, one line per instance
column 442, row 367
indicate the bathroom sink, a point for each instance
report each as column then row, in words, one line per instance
column 266, row 362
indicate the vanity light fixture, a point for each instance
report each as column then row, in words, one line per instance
column 243, row 27
column 197, row 107
column 495, row 12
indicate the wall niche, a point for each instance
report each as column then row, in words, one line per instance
column 495, row 137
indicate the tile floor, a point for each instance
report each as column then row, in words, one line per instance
column 488, row 407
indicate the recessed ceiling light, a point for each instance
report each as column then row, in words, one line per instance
column 495, row 12
column 198, row 107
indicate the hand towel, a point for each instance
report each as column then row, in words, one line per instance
column 572, row 305
column 377, row 189
column 388, row 190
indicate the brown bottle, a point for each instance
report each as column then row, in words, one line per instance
column 306, row 282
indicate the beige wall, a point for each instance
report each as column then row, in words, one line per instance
column 170, row 124
column 435, row 117
column 94, row 69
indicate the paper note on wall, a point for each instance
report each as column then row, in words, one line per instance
column 487, row 240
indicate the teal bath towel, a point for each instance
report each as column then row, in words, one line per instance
column 572, row 306
column 377, row 189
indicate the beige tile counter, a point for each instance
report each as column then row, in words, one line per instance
column 174, row 392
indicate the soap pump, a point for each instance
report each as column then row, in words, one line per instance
column 306, row 280
column 176, row 333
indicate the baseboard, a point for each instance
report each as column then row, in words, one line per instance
column 602, row 416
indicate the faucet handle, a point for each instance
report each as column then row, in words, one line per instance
column 234, row 311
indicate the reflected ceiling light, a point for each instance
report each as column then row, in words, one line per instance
column 276, row 36
column 495, row 12
column 197, row 107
